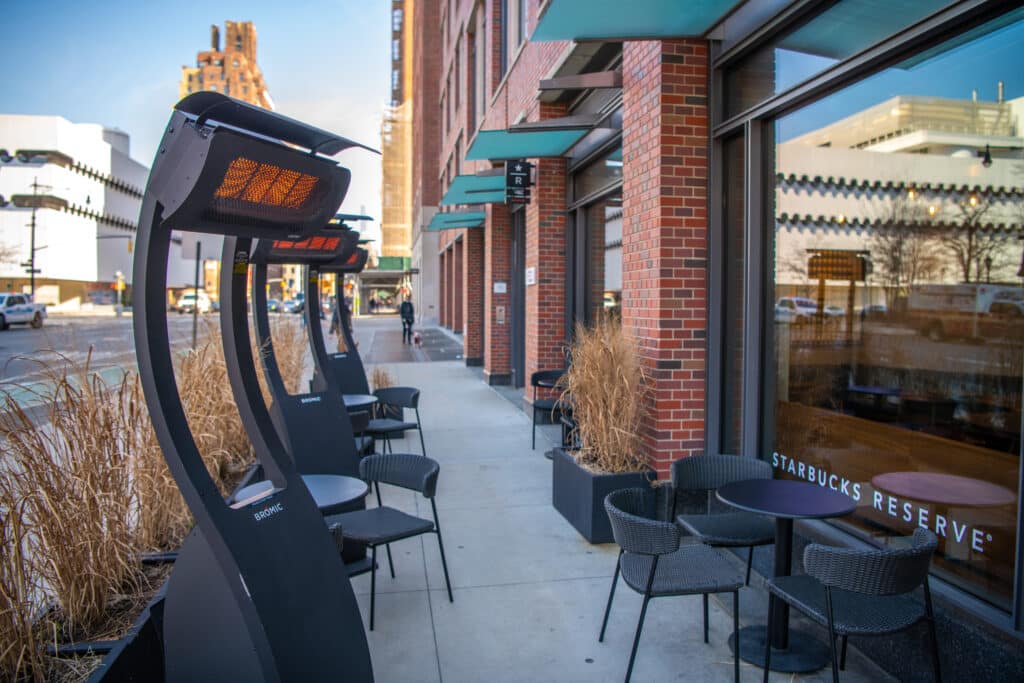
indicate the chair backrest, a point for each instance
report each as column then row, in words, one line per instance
column 705, row 472
column 632, row 515
column 399, row 397
column 545, row 375
column 414, row 472
column 886, row 571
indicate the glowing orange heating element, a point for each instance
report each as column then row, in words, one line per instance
column 266, row 184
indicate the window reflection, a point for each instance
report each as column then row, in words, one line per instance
column 604, row 267
column 899, row 302
column 843, row 30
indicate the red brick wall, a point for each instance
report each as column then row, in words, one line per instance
column 497, row 251
column 426, row 130
column 665, row 235
column 473, row 296
column 545, row 251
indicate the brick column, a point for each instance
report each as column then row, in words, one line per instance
column 473, row 296
column 545, row 252
column 442, row 309
column 497, row 324
column 665, row 146
column 458, row 288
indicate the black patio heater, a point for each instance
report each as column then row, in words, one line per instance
column 344, row 367
column 259, row 592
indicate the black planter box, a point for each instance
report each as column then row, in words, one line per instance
column 579, row 494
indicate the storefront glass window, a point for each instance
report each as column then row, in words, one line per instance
column 599, row 175
column 844, row 29
column 604, row 257
column 896, row 351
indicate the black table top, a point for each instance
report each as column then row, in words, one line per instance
column 358, row 400
column 786, row 498
column 328, row 490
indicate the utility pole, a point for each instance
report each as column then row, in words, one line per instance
column 32, row 242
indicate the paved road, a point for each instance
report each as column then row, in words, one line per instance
column 111, row 343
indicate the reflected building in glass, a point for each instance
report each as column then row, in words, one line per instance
column 898, row 316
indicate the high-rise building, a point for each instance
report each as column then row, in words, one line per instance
column 396, row 138
column 231, row 70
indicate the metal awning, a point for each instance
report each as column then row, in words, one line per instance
column 456, row 219
column 475, row 189
column 633, row 20
column 526, row 144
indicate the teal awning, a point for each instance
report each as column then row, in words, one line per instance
column 475, row 189
column 456, row 219
column 528, row 144
column 628, row 19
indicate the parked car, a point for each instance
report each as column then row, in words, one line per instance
column 188, row 302
column 18, row 309
column 293, row 306
column 834, row 311
column 795, row 309
column 273, row 305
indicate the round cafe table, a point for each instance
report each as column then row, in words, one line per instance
column 950, row 490
column 358, row 401
column 785, row 500
column 332, row 493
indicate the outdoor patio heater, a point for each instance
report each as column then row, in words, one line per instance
column 344, row 367
column 314, row 424
column 259, row 592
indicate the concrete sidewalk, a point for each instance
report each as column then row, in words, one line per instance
column 529, row 591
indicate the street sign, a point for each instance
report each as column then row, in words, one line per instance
column 517, row 181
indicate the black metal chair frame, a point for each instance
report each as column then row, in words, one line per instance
column 551, row 405
column 413, row 472
column 401, row 398
column 643, row 535
column 712, row 472
column 886, row 572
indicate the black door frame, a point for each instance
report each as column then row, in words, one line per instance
column 517, row 259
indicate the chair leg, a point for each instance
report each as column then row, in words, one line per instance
column 373, row 582
column 533, row 443
column 440, row 545
column 767, row 638
column 611, row 594
column 636, row 638
column 391, row 564
column 736, row 635
column 832, row 635
column 842, row 654
column 931, row 631
column 750, row 562
column 419, row 428
column 705, row 596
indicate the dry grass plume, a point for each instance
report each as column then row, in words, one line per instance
column 605, row 384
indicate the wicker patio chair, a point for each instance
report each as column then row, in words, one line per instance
column 861, row 592
column 543, row 405
column 723, row 529
column 385, row 525
column 653, row 563
column 390, row 400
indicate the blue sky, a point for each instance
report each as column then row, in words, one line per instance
column 118, row 63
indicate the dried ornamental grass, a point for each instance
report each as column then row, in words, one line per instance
column 605, row 384
column 291, row 348
column 20, row 655
column 380, row 378
column 72, row 475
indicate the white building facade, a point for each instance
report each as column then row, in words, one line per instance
column 85, row 191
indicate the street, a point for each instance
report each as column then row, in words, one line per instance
column 111, row 340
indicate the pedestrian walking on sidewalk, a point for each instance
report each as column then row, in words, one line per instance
column 407, row 314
